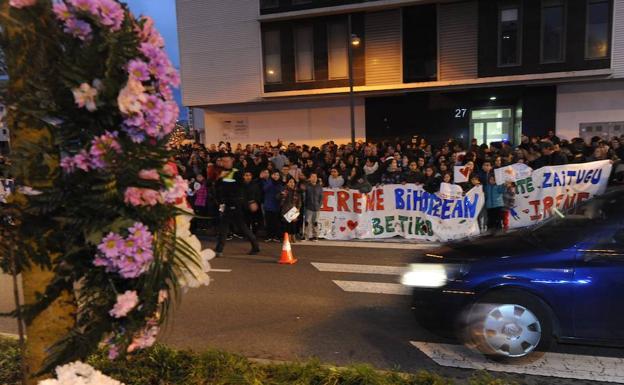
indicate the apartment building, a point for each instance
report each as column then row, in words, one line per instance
column 257, row 70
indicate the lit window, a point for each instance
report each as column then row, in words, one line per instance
column 553, row 31
column 304, row 53
column 597, row 29
column 272, row 57
column 337, row 50
column 509, row 36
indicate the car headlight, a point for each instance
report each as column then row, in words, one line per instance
column 432, row 274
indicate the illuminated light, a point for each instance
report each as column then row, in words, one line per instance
column 492, row 98
column 458, row 292
column 355, row 40
column 271, row 72
column 434, row 256
column 425, row 275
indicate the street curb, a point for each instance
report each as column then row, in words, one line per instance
column 371, row 245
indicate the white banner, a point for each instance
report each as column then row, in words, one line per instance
column 461, row 174
column 410, row 212
column 557, row 188
column 399, row 210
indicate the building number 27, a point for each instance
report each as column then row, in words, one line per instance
column 460, row 113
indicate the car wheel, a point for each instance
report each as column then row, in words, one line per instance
column 509, row 325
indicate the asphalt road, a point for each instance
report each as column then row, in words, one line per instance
column 261, row 309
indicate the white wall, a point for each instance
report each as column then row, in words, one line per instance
column 307, row 122
column 220, row 51
column 587, row 103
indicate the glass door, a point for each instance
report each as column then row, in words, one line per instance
column 491, row 125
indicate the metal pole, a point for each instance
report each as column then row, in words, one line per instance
column 351, row 95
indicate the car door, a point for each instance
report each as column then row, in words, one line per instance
column 599, row 278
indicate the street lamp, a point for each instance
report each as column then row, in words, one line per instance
column 354, row 41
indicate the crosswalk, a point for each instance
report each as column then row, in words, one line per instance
column 390, row 288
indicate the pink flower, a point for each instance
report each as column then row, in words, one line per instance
column 138, row 70
column 144, row 338
column 113, row 352
column 136, row 196
column 133, row 196
column 111, row 245
column 61, row 11
column 111, row 14
column 78, row 28
column 101, row 147
column 148, row 33
column 131, row 97
column 89, row 6
column 151, row 174
column 67, row 164
column 177, row 191
column 125, row 303
column 22, row 3
column 82, row 161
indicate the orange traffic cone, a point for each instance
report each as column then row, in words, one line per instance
column 287, row 256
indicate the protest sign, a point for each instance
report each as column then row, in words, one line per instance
column 399, row 210
column 553, row 189
column 461, row 174
column 512, row 173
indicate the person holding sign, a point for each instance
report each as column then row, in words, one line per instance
column 290, row 205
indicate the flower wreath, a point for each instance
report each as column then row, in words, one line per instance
column 114, row 216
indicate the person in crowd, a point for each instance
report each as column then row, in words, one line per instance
column 278, row 159
column 252, row 193
column 393, row 174
column 229, row 194
column 494, row 203
column 550, row 156
column 413, row 174
column 290, row 198
column 372, row 171
column 335, row 180
column 509, row 202
column 200, row 203
column 272, row 188
column 357, row 181
column 431, row 183
column 313, row 203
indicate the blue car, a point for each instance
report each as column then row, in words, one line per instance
column 512, row 295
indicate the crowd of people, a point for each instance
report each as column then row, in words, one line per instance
column 269, row 180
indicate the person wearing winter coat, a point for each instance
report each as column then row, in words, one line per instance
column 357, row 181
column 392, row 175
column 290, row 197
column 509, row 201
column 313, row 203
column 252, row 194
column 272, row 188
column 494, row 203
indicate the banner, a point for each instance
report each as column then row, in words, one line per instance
column 406, row 210
column 553, row 189
column 461, row 174
column 410, row 212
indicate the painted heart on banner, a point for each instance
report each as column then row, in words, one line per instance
column 465, row 171
column 342, row 229
column 352, row 224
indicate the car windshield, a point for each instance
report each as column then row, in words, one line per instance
column 568, row 228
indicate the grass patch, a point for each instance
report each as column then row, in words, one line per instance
column 161, row 365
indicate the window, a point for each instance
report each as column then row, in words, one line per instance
column 299, row 2
column 509, row 35
column 337, row 50
column 597, row 29
column 266, row 4
column 304, row 53
column 553, row 31
column 272, row 57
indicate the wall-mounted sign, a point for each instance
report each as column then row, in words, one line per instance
column 234, row 129
column 460, row 113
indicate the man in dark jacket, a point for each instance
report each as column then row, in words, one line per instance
column 229, row 194
column 550, row 156
column 313, row 202
column 252, row 194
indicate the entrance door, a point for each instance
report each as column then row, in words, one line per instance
column 491, row 125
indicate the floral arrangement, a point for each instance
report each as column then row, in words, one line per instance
column 111, row 220
column 78, row 373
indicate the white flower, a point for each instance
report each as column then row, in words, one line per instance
column 131, row 97
column 84, row 96
column 79, row 373
column 196, row 274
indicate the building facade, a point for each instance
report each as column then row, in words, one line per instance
column 257, row 70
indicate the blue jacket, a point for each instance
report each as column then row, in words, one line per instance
column 494, row 196
column 272, row 190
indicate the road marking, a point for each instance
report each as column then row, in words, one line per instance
column 373, row 287
column 403, row 245
column 560, row 365
column 220, row 271
column 361, row 269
